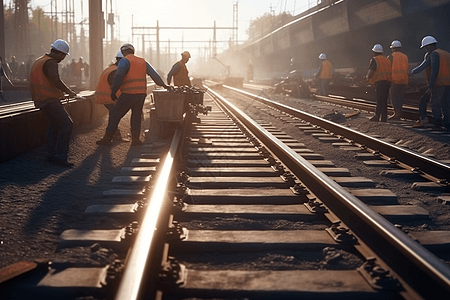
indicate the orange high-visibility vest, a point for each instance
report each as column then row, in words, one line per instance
column 399, row 68
column 135, row 81
column 383, row 71
column 103, row 90
column 443, row 77
column 326, row 70
column 182, row 77
column 40, row 86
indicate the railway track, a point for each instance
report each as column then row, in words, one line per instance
column 256, row 215
column 410, row 110
column 17, row 108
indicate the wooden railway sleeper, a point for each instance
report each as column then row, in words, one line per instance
column 340, row 233
column 378, row 277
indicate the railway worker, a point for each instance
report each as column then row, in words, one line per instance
column 3, row 74
column 379, row 74
column 179, row 71
column 14, row 66
column 78, row 72
column 399, row 65
column 324, row 74
column 103, row 91
column 437, row 65
column 131, row 78
column 46, row 91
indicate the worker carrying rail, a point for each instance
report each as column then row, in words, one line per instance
column 47, row 89
column 437, row 65
column 324, row 74
column 179, row 71
column 379, row 74
column 131, row 78
column 399, row 65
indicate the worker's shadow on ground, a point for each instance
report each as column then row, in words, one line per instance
column 73, row 192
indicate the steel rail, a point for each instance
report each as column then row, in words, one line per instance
column 418, row 268
column 144, row 257
column 18, row 108
column 408, row 112
column 425, row 164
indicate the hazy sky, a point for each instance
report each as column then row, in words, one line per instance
column 178, row 13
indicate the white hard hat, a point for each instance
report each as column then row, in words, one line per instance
column 377, row 48
column 119, row 54
column 396, row 44
column 428, row 40
column 127, row 47
column 61, row 46
column 322, row 56
column 186, row 53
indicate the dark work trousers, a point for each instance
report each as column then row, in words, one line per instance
column 382, row 92
column 440, row 106
column 59, row 129
column 423, row 106
column 109, row 107
column 124, row 103
column 397, row 94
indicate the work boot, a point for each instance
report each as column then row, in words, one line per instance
column 420, row 123
column 135, row 140
column 118, row 137
column 107, row 139
column 49, row 158
column 62, row 162
column 394, row 117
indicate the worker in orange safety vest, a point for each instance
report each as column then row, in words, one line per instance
column 437, row 66
column 379, row 74
column 179, row 71
column 131, row 79
column 399, row 64
column 47, row 90
column 324, row 74
column 103, row 91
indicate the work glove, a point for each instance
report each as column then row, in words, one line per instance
column 72, row 93
column 113, row 96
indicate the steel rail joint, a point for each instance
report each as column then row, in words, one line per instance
column 418, row 267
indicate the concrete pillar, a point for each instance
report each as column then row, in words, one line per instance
column 2, row 32
column 96, row 35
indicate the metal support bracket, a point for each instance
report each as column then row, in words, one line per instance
column 288, row 177
column 172, row 274
column 377, row 276
column 176, row 232
column 341, row 234
column 299, row 189
column 315, row 206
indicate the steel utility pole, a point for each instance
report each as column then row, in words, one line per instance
column 2, row 32
column 96, row 34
